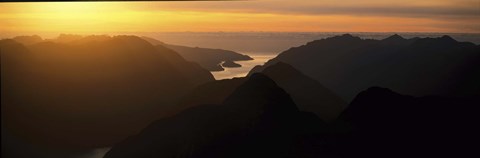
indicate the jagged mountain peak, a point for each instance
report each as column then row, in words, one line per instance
column 447, row 38
column 346, row 36
column 394, row 38
column 261, row 93
column 285, row 69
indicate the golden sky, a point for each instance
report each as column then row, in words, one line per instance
column 250, row 15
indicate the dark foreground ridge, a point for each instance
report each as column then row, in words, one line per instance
column 260, row 120
column 307, row 93
column 386, row 124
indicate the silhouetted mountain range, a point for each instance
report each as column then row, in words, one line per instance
column 417, row 66
column 308, row 94
column 91, row 91
column 257, row 120
column 260, row 120
column 208, row 58
column 79, row 92
column 377, row 123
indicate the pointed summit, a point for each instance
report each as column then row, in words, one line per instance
column 394, row 38
column 447, row 38
column 308, row 94
column 345, row 37
column 258, row 120
column 283, row 69
column 261, row 93
column 438, row 42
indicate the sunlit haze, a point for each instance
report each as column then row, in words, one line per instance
column 261, row 15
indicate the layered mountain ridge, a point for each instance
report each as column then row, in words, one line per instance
column 208, row 58
column 77, row 93
column 308, row 94
column 418, row 66
column 257, row 120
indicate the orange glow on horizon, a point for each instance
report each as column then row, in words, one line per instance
column 107, row 17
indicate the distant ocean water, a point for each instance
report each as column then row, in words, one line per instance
column 242, row 71
column 258, row 43
column 261, row 43
column 263, row 46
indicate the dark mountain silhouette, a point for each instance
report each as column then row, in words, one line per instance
column 16, row 147
column 308, row 94
column 257, row 120
column 92, row 91
column 386, row 124
column 398, row 40
column 78, row 92
column 208, row 58
column 229, row 63
column 214, row 92
column 418, row 66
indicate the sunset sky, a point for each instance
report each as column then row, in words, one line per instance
column 250, row 15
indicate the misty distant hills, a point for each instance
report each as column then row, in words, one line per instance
column 308, row 94
column 417, row 66
column 27, row 40
column 258, row 119
column 208, row 58
column 90, row 91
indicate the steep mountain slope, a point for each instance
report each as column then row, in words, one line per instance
column 208, row 58
column 92, row 91
column 308, row 94
column 257, row 120
column 418, row 66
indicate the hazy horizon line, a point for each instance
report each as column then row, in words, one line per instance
column 55, row 34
